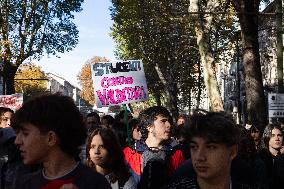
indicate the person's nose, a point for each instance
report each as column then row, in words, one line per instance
column 18, row 140
column 168, row 124
column 200, row 154
column 8, row 122
column 97, row 150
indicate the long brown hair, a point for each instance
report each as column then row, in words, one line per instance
column 267, row 134
column 117, row 164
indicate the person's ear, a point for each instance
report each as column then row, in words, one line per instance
column 234, row 151
column 52, row 138
column 150, row 128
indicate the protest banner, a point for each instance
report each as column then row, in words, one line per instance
column 13, row 101
column 117, row 83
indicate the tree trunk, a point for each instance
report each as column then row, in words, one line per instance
column 207, row 59
column 171, row 90
column 9, row 73
column 157, row 96
column 189, row 102
column 248, row 18
column 199, row 86
column 279, row 45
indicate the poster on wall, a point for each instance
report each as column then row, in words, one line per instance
column 117, row 83
column 275, row 105
column 13, row 101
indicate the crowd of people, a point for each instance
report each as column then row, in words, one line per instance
column 49, row 144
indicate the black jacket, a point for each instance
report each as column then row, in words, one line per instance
column 275, row 169
column 11, row 165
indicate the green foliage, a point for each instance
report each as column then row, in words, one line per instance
column 162, row 32
column 31, row 28
column 139, row 106
column 158, row 32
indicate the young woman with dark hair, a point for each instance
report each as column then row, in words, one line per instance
column 104, row 154
column 135, row 133
column 256, row 135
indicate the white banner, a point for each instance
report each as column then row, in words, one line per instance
column 13, row 101
column 117, row 83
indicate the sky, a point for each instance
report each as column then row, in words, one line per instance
column 93, row 23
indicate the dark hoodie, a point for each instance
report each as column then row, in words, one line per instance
column 7, row 137
column 11, row 166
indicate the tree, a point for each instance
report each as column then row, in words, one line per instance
column 202, row 29
column 85, row 79
column 158, row 32
column 31, row 28
column 247, row 12
column 30, row 80
column 163, row 35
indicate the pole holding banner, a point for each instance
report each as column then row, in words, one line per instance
column 127, row 124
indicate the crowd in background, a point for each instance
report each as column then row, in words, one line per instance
column 48, row 144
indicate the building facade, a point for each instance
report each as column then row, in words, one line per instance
column 57, row 84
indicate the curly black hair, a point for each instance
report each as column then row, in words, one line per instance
column 147, row 117
column 3, row 110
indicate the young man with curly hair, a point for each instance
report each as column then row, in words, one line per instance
column 50, row 130
column 155, row 147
